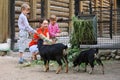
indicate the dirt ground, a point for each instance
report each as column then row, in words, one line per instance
column 11, row 70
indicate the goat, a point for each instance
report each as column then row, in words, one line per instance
column 88, row 56
column 53, row 52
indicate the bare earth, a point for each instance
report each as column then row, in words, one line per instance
column 11, row 70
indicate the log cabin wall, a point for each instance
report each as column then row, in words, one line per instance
column 60, row 8
column 65, row 9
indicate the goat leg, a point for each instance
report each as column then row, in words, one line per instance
column 66, row 71
column 46, row 66
column 91, row 71
column 58, row 70
column 86, row 67
column 66, row 63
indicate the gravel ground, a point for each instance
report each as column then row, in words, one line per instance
column 11, row 70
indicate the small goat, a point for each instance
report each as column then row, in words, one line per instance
column 88, row 57
column 53, row 52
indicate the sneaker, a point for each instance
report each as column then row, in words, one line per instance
column 21, row 61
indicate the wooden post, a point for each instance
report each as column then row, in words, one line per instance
column 115, row 16
column 33, row 10
column 96, row 4
column 47, row 9
column 101, row 18
column 71, row 14
column 81, row 6
column 3, row 20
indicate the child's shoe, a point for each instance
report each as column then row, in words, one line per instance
column 21, row 61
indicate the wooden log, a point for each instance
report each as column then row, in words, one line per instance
column 18, row 3
column 63, row 24
column 38, row 6
column 64, row 29
column 38, row 11
column 53, row 3
column 60, row 9
column 62, row 14
column 38, row 1
column 17, row 9
column 63, row 1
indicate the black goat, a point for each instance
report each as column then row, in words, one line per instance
column 53, row 52
column 88, row 56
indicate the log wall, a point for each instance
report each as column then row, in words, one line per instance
column 61, row 8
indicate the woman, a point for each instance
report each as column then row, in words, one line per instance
column 43, row 31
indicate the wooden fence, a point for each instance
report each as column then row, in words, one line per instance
column 102, row 9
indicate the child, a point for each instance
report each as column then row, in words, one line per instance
column 24, row 30
column 53, row 28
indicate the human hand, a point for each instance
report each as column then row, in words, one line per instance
column 58, row 34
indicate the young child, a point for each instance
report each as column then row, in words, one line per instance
column 24, row 30
column 53, row 28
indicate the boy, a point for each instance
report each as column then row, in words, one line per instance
column 24, row 30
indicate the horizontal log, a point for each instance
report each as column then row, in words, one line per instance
column 60, row 9
column 38, row 11
column 38, row 1
column 16, row 16
column 64, row 29
column 16, row 29
column 38, row 16
column 18, row 3
column 62, row 14
column 17, row 9
column 63, row 1
column 63, row 24
column 38, row 6
column 53, row 3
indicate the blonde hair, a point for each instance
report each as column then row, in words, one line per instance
column 53, row 17
column 25, row 6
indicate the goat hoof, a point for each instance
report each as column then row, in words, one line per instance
column 66, row 71
column 46, row 70
column 57, row 72
column 90, row 72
